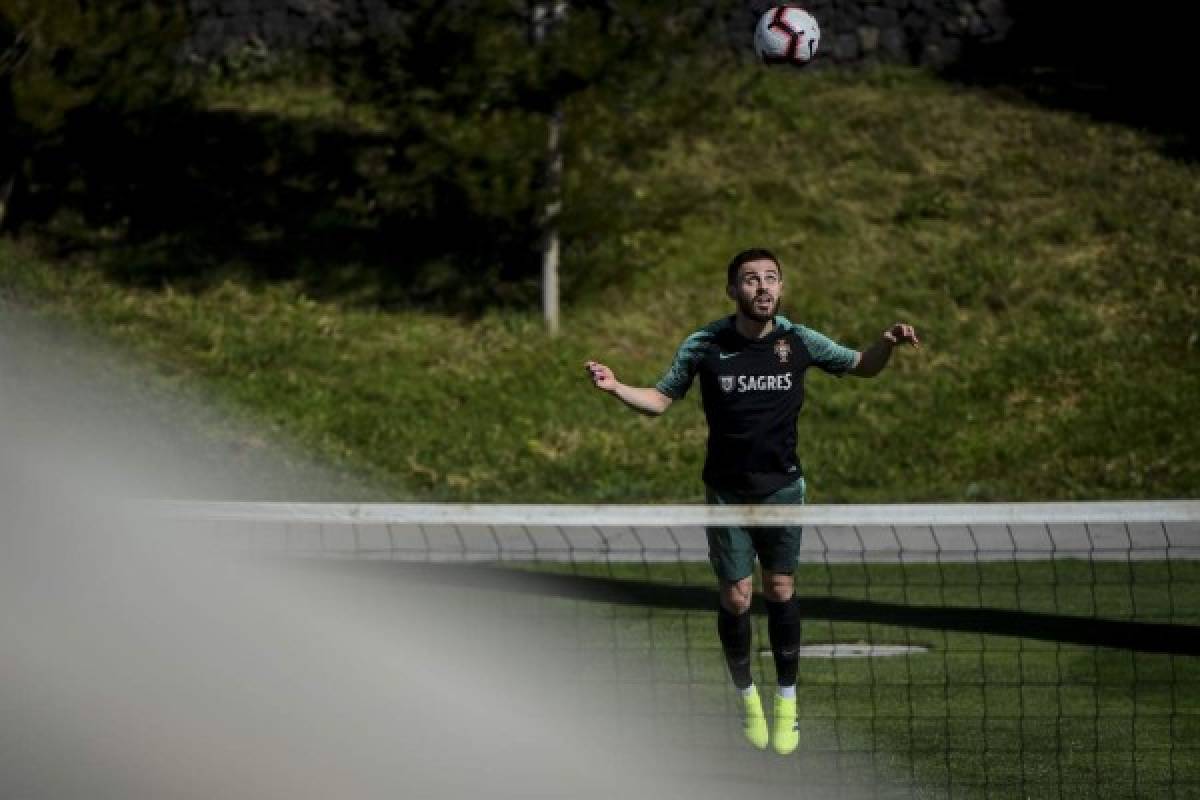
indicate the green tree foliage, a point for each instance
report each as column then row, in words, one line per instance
column 467, row 95
column 77, row 77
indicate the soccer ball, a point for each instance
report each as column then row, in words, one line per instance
column 786, row 35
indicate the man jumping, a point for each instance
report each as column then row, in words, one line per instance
column 751, row 368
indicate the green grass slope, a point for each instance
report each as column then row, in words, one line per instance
column 1051, row 264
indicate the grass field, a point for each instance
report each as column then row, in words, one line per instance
column 976, row 715
column 1050, row 262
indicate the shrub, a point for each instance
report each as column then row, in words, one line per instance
column 73, row 72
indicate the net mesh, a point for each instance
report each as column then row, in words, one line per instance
column 1032, row 650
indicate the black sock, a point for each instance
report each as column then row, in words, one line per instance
column 783, row 626
column 737, row 637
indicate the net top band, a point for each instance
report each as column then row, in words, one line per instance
column 967, row 514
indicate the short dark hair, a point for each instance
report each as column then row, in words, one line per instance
column 746, row 256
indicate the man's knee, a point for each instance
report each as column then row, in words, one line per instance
column 736, row 596
column 778, row 587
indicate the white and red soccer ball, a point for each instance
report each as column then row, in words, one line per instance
column 787, row 35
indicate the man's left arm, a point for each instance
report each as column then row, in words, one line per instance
column 872, row 360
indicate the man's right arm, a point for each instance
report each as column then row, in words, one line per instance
column 645, row 400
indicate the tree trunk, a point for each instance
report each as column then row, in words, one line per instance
column 543, row 16
column 550, row 215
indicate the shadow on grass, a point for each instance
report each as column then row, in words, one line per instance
column 1115, row 62
column 191, row 197
column 1147, row 637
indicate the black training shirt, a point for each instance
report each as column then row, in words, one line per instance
column 752, row 390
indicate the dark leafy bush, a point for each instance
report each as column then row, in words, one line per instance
column 80, row 85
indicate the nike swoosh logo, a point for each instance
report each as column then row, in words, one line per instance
column 727, row 355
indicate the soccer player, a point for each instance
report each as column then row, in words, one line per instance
column 751, row 369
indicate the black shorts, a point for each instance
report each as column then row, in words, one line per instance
column 732, row 550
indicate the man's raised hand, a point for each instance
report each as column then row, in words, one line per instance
column 601, row 376
column 902, row 333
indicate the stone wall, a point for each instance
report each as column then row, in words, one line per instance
column 229, row 27
column 925, row 32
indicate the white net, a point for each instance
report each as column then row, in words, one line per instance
column 1040, row 649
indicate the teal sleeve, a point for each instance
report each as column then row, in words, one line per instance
column 678, row 377
column 828, row 355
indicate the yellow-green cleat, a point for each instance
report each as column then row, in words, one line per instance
column 754, row 721
column 787, row 729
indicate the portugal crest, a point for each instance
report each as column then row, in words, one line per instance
column 726, row 383
column 783, row 349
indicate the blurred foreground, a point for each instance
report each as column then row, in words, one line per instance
column 137, row 663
